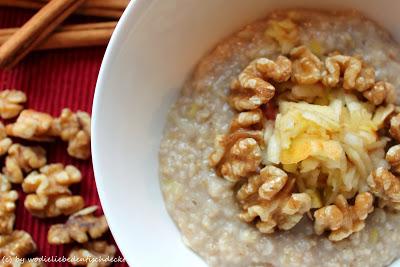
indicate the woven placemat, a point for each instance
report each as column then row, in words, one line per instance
column 53, row 80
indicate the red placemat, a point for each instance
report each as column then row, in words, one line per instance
column 53, row 80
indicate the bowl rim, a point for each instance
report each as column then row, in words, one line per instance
column 130, row 15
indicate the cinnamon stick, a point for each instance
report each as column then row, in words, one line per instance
column 32, row 33
column 98, row 8
column 80, row 35
column 21, row 3
column 121, row 4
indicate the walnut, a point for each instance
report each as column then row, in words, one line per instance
column 51, row 196
column 393, row 158
column 395, row 127
column 353, row 71
column 381, row 92
column 23, row 159
column 247, row 119
column 365, row 79
column 11, row 103
column 382, row 115
column 237, row 154
column 7, row 209
column 8, row 198
column 74, row 128
column 253, row 88
column 245, row 158
column 340, row 65
column 17, row 244
column 285, row 32
column 5, row 184
column 31, row 125
column 269, row 196
column 304, row 92
column 386, row 186
column 93, row 254
column 341, row 218
column 270, row 182
column 5, row 142
column 307, row 67
column 78, row 228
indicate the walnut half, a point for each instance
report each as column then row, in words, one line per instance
column 269, row 197
column 17, row 244
column 253, row 89
column 381, row 92
column 394, row 129
column 49, row 193
column 386, row 186
column 93, row 254
column 7, row 210
column 11, row 103
column 78, row 228
column 355, row 74
column 393, row 158
column 23, row 159
column 237, row 154
column 5, row 142
column 307, row 67
column 31, row 125
column 341, row 218
column 74, row 128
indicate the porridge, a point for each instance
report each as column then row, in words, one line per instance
column 282, row 147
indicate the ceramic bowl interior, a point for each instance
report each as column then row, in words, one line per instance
column 155, row 47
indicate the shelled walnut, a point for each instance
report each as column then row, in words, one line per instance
column 11, row 103
column 17, row 244
column 269, row 197
column 5, row 142
column 8, row 198
column 23, row 159
column 393, row 158
column 5, row 184
column 354, row 73
column 238, row 154
column 383, row 114
column 394, row 129
column 50, row 195
column 79, row 227
column 381, row 92
column 252, row 88
column 93, row 254
column 247, row 119
column 74, row 128
column 341, row 218
column 386, row 186
column 307, row 67
column 31, row 125
column 7, row 210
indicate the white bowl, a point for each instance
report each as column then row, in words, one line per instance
column 155, row 46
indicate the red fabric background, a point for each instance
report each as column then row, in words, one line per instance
column 53, row 80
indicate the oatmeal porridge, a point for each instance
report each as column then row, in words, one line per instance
column 282, row 147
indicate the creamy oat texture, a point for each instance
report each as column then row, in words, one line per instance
column 203, row 204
